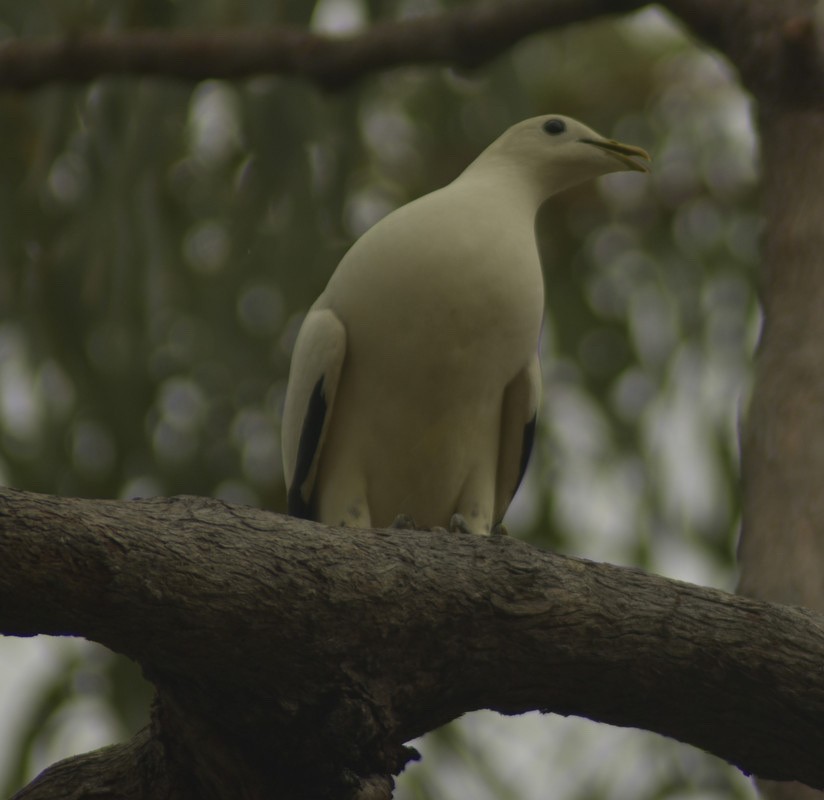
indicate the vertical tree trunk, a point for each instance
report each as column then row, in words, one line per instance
column 782, row 546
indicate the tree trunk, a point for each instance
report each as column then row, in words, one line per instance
column 781, row 553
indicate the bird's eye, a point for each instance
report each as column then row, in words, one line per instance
column 554, row 126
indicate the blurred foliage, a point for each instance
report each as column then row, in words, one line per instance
column 159, row 243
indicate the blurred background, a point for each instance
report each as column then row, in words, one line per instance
column 160, row 242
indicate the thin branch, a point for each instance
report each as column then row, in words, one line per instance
column 465, row 37
column 297, row 639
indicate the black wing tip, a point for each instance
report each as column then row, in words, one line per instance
column 526, row 447
column 310, row 436
column 297, row 506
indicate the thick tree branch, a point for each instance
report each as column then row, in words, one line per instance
column 466, row 36
column 303, row 657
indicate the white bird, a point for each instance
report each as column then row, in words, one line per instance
column 415, row 380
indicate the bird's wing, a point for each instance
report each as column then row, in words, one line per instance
column 518, row 417
column 310, row 396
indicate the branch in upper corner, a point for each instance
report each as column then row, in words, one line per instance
column 465, row 37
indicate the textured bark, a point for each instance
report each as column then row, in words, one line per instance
column 124, row 771
column 293, row 660
column 782, row 550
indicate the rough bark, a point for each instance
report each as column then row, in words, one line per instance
column 294, row 660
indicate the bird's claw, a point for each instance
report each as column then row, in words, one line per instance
column 403, row 522
column 457, row 524
column 499, row 530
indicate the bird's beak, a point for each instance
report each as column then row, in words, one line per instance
column 623, row 152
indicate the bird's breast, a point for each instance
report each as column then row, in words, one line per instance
column 432, row 307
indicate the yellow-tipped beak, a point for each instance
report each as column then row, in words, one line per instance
column 625, row 153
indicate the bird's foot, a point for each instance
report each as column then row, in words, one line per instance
column 457, row 524
column 403, row 522
column 499, row 530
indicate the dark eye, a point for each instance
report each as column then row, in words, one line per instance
column 554, row 126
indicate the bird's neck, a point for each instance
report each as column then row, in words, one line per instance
column 517, row 185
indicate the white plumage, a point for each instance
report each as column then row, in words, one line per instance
column 415, row 382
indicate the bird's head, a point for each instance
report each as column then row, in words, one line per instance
column 557, row 152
